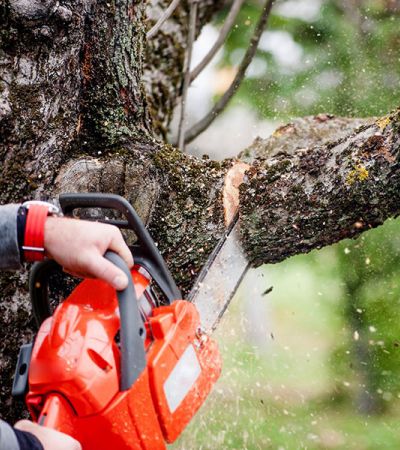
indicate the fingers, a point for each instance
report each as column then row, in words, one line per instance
column 119, row 246
column 75, row 274
column 98, row 267
column 79, row 246
column 50, row 439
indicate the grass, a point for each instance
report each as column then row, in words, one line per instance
column 261, row 422
column 277, row 390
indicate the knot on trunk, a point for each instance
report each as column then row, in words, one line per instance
column 32, row 13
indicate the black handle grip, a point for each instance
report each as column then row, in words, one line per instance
column 71, row 201
column 133, row 332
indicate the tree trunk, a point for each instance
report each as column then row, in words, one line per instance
column 78, row 80
column 85, row 103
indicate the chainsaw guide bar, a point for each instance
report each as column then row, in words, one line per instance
column 219, row 278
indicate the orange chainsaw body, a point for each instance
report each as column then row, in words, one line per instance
column 74, row 375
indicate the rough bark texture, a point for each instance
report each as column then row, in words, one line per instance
column 323, row 192
column 178, row 196
column 84, row 100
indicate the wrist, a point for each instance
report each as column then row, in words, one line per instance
column 51, row 234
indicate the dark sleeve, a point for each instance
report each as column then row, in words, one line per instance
column 27, row 441
column 9, row 250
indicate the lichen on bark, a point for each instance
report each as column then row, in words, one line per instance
column 72, row 90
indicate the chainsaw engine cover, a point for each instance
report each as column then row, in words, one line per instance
column 183, row 365
column 74, row 376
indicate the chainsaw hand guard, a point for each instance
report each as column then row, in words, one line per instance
column 149, row 252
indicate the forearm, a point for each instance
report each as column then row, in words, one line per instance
column 9, row 251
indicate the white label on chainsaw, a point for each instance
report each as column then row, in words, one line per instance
column 182, row 378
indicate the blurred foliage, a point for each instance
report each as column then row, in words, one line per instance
column 345, row 60
column 369, row 270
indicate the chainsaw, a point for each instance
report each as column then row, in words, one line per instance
column 116, row 369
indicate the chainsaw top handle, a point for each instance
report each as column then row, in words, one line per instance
column 145, row 252
column 132, row 331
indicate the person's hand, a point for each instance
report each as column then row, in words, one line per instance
column 50, row 439
column 78, row 246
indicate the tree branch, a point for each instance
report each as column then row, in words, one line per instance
column 223, row 101
column 318, row 195
column 314, row 182
column 74, row 76
column 226, row 28
column 167, row 14
column 186, row 79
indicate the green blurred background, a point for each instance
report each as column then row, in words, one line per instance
column 314, row 364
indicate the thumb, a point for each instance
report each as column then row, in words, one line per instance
column 49, row 438
column 99, row 267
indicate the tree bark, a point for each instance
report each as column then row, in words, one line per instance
column 322, row 193
column 85, row 103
